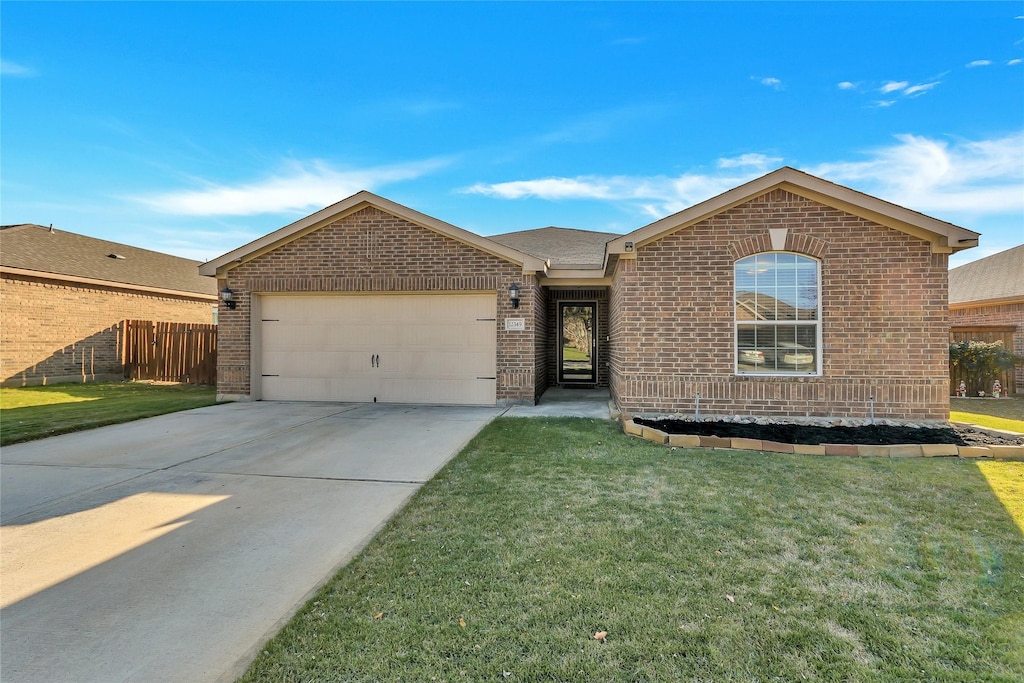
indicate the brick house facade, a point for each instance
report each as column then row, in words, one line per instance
column 659, row 303
column 674, row 305
column 64, row 299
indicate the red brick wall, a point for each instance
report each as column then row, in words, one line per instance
column 373, row 251
column 53, row 331
column 884, row 318
column 1001, row 314
column 541, row 341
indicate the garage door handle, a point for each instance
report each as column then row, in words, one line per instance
column 374, row 361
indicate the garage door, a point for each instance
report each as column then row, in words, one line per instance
column 400, row 348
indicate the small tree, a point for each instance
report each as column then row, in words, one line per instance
column 981, row 363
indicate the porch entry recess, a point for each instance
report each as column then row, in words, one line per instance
column 577, row 342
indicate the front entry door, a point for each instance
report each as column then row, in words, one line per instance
column 577, row 342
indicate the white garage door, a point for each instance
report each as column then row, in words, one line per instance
column 394, row 348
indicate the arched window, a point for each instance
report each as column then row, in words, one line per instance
column 778, row 315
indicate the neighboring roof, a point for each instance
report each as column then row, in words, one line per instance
column 358, row 202
column 945, row 237
column 561, row 246
column 994, row 278
column 67, row 255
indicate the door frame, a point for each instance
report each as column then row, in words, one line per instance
column 560, row 342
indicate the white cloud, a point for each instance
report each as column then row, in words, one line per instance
column 300, row 187
column 656, row 196
column 846, row 85
column 979, row 62
column 882, row 104
column 920, row 88
column 1014, row 62
column 771, row 82
column 951, row 178
column 893, row 86
column 9, row 68
column 754, row 160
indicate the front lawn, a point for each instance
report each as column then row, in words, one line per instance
column 692, row 565
column 28, row 413
column 997, row 413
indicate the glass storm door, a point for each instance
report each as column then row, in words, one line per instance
column 577, row 342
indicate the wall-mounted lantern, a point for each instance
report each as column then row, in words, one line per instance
column 513, row 295
column 228, row 298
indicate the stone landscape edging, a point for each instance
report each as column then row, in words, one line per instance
column 850, row 450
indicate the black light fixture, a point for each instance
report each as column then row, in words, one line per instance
column 513, row 295
column 228, row 297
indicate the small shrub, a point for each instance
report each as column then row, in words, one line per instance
column 981, row 362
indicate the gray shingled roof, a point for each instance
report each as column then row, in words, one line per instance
column 34, row 247
column 563, row 246
column 999, row 276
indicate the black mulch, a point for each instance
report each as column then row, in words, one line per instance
column 808, row 434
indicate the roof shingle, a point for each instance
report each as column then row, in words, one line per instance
column 34, row 247
column 563, row 246
column 999, row 276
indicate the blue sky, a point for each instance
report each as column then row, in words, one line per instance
column 193, row 128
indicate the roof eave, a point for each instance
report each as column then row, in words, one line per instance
column 60, row 277
column 980, row 303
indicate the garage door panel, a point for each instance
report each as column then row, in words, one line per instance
column 284, row 388
column 438, row 391
column 454, row 364
column 431, row 348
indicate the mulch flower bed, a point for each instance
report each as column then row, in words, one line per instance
column 812, row 435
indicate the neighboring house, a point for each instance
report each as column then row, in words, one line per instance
column 842, row 301
column 65, row 296
column 986, row 302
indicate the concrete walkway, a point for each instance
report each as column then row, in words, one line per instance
column 563, row 402
column 169, row 549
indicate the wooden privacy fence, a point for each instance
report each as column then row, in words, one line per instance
column 986, row 334
column 169, row 352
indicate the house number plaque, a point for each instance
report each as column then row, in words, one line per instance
column 515, row 324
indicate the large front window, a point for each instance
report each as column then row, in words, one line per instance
column 778, row 314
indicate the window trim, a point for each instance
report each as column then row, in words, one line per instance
column 817, row 324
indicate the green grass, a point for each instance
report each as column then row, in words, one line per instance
column 1003, row 413
column 571, row 353
column 28, row 413
column 700, row 565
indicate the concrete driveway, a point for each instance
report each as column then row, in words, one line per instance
column 170, row 548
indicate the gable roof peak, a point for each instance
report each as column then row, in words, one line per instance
column 944, row 237
column 350, row 205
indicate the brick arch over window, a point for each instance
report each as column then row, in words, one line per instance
column 797, row 243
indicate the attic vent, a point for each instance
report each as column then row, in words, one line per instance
column 117, row 256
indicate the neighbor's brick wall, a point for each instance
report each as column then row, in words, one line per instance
column 53, row 331
column 1001, row 314
column 582, row 295
column 885, row 326
column 373, row 251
